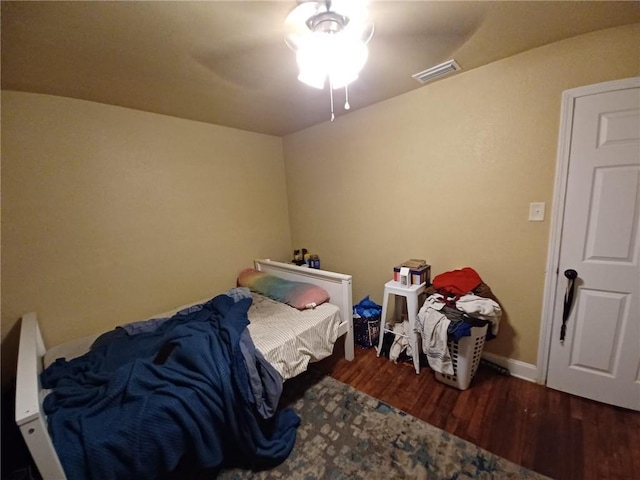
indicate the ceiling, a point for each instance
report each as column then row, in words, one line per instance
column 226, row 62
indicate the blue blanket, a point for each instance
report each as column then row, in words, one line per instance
column 137, row 406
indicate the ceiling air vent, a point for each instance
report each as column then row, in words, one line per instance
column 436, row 72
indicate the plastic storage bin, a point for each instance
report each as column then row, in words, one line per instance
column 465, row 355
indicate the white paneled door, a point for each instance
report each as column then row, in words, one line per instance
column 599, row 357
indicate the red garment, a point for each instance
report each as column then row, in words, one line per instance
column 457, row 282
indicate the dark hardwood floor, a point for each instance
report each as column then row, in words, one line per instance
column 553, row 433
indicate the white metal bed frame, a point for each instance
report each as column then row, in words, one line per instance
column 30, row 416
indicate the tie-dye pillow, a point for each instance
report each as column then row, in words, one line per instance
column 299, row 295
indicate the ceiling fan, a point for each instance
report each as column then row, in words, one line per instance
column 330, row 40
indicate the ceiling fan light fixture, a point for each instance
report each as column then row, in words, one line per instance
column 327, row 22
column 330, row 40
column 326, row 56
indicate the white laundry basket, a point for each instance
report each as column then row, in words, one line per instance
column 465, row 355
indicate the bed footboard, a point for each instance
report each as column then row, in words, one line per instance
column 30, row 417
column 338, row 286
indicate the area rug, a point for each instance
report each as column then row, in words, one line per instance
column 347, row 434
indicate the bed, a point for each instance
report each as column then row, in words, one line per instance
column 288, row 349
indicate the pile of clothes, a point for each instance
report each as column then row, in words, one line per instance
column 458, row 301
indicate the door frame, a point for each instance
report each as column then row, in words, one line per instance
column 569, row 98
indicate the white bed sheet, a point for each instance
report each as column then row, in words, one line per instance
column 288, row 338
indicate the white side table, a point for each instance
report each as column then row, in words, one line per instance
column 411, row 295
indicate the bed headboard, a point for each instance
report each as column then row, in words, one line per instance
column 338, row 285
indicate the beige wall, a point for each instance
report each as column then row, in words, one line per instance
column 447, row 172
column 111, row 214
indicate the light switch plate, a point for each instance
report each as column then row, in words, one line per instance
column 536, row 212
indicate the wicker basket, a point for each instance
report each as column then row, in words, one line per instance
column 465, row 355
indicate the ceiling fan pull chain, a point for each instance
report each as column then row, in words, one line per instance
column 346, row 97
column 333, row 117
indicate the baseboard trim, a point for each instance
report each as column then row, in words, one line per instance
column 518, row 369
